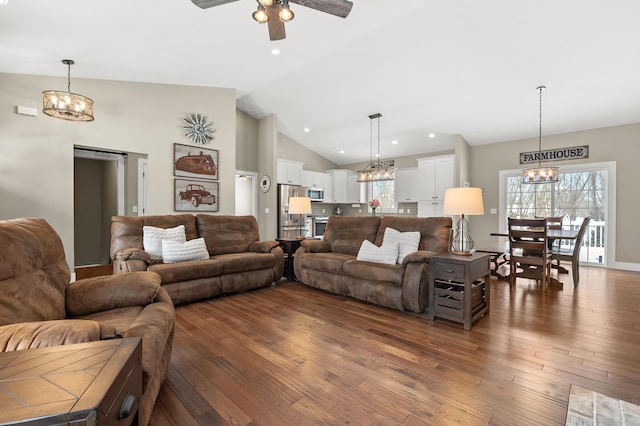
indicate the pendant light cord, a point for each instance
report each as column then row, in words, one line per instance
column 540, row 89
column 69, row 77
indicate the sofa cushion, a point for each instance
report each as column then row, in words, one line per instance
column 41, row 334
column 227, row 234
column 379, row 272
column 435, row 232
column 407, row 241
column 386, row 253
column 152, row 238
column 345, row 234
column 187, row 271
column 33, row 272
column 327, row 262
column 126, row 231
column 174, row 252
column 243, row 262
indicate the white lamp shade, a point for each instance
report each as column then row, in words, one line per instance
column 467, row 201
column 299, row 205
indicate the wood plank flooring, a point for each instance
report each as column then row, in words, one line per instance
column 293, row 355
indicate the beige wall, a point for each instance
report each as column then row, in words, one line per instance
column 246, row 142
column 36, row 165
column 288, row 149
column 620, row 144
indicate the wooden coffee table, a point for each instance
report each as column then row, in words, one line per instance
column 86, row 383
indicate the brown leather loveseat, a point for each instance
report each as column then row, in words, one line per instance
column 331, row 264
column 237, row 260
column 40, row 308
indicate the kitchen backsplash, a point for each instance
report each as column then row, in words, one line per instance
column 322, row 209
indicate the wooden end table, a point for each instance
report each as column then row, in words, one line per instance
column 95, row 383
column 459, row 287
column 289, row 245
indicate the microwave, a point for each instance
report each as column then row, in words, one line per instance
column 316, row 194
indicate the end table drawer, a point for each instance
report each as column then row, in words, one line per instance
column 449, row 271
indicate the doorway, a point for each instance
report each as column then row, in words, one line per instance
column 98, row 195
column 246, row 193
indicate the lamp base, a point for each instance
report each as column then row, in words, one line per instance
column 461, row 253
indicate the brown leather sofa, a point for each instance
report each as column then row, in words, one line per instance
column 331, row 264
column 238, row 260
column 40, row 308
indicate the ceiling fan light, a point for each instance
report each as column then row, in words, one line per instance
column 260, row 15
column 285, row 13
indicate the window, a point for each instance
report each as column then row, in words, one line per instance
column 384, row 191
column 581, row 191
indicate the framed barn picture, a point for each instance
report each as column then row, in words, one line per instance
column 195, row 195
column 195, row 162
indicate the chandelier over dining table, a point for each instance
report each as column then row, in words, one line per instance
column 540, row 174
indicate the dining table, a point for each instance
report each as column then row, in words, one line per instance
column 552, row 235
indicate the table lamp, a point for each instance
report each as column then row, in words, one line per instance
column 300, row 206
column 462, row 201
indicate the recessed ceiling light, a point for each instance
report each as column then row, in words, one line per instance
column 394, row 142
column 3, row 2
column 273, row 52
column 306, row 129
column 342, row 151
column 432, row 135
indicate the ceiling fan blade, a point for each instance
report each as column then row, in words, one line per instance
column 339, row 8
column 276, row 26
column 206, row 4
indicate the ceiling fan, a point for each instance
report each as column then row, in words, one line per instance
column 276, row 12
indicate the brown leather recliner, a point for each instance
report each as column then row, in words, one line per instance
column 40, row 308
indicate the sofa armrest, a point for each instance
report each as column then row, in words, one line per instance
column 41, row 334
column 98, row 294
column 421, row 256
column 263, row 246
column 316, row 246
column 132, row 253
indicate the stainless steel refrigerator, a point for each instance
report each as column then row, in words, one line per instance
column 290, row 225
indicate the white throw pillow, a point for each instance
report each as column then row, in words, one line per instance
column 387, row 253
column 173, row 252
column 152, row 238
column 408, row 242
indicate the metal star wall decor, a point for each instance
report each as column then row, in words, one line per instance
column 198, row 129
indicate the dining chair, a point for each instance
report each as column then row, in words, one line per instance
column 528, row 253
column 558, row 254
column 554, row 223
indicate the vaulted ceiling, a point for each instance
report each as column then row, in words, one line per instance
column 463, row 67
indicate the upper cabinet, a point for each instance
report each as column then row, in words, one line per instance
column 290, row 172
column 435, row 175
column 406, row 186
column 315, row 179
column 345, row 187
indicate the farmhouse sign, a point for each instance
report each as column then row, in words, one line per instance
column 559, row 154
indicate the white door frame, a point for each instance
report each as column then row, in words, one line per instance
column 143, row 186
column 108, row 156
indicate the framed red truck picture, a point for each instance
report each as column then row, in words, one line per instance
column 194, row 195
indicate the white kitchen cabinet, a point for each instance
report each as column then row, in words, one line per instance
column 314, row 179
column 345, row 188
column 354, row 189
column 327, row 184
column 406, row 185
column 435, row 175
column 290, row 172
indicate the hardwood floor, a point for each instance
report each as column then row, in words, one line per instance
column 293, row 355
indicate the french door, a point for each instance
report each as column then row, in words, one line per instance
column 585, row 190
